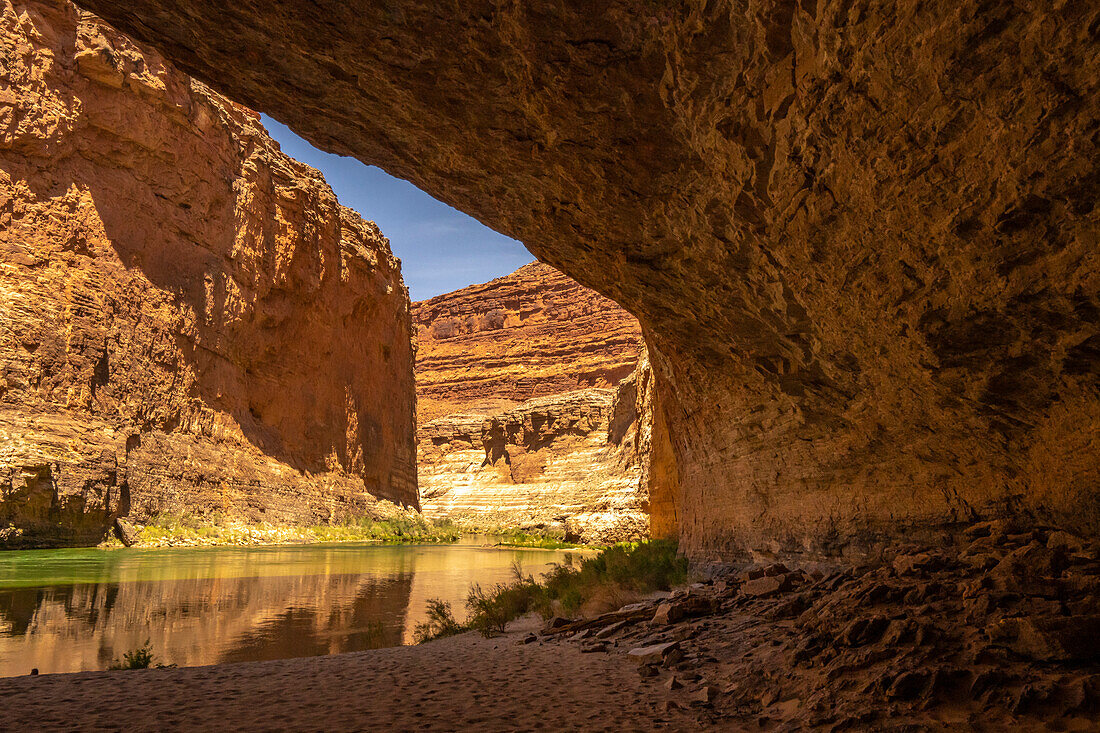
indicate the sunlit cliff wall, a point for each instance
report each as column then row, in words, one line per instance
column 533, row 333
column 526, row 395
column 189, row 320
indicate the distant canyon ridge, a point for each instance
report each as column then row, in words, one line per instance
column 535, row 412
column 533, row 333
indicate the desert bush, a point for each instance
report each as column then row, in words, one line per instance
column 140, row 658
column 492, row 320
column 444, row 328
column 606, row 581
column 441, row 622
column 489, row 612
column 615, row 575
column 10, row 532
column 548, row 538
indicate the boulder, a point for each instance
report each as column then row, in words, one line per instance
column 611, row 630
column 556, row 622
column 126, row 532
column 864, row 631
column 705, row 695
column 916, row 564
column 1030, row 569
column 668, row 613
column 1051, row 638
column 768, row 585
column 659, row 654
column 1067, row 543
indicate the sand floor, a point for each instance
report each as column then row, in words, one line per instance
column 466, row 683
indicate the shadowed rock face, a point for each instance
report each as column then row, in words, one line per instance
column 189, row 320
column 861, row 239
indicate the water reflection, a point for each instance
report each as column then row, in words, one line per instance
column 72, row 610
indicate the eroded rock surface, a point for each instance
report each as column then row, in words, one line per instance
column 506, row 438
column 189, row 320
column 569, row 461
column 861, row 238
column 533, row 333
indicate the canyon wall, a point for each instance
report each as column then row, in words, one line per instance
column 189, row 320
column 862, row 238
column 533, row 333
column 506, row 438
column 565, row 462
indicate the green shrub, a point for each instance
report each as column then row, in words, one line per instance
column 441, row 622
column 214, row 528
column 141, row 658
column 545, row 539
column 608, row 580
column 490, row 612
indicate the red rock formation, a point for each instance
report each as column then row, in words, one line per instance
column 533, row 333
column 189, row 320
column 569, row 461
column 506, row 437
column 861, row 238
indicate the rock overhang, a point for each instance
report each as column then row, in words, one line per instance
column 861, row 240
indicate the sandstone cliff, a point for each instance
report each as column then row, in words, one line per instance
column 861, row 238
column 507, row 438
column 530, row 334
column 189, row 320
column 568, row 461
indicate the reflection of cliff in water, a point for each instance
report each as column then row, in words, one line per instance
column 202, row 621
column 72, row 610
column 373, row 619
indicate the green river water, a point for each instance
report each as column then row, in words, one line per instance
column 75, row 610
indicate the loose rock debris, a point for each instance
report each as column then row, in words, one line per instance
column 996, row 629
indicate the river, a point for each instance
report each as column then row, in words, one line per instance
column 75, row 610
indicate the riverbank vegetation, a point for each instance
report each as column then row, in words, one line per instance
column 169, row 529
column 541, row 539
column 141, row 658
column 616, row 576
column 193, row 530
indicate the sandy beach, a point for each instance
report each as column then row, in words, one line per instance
column 462, row 683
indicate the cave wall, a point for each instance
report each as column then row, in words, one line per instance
column 189, row 320
column 861, row 236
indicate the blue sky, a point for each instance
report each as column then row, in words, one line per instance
column 441, row 249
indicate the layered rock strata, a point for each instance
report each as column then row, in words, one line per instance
column 189, row 320
column 569, row 461
column 530, row 334
column 506, row 438
column 862, row 239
